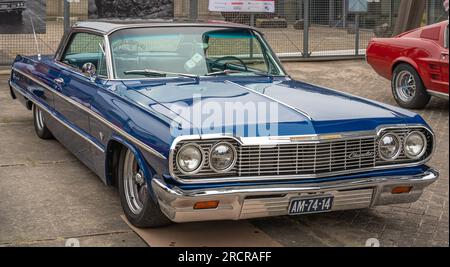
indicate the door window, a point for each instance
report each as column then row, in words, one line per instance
column 86, row 48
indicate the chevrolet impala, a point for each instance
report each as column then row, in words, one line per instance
column 200, row 121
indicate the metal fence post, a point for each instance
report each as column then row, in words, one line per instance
column 356, row 34
column 305, row 28
column 344, row 14
column 193, row 10
column 66, row 16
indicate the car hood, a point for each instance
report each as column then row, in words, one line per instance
column 298, row 108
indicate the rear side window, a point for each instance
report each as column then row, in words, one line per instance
column 86, row 48
column 431, row 33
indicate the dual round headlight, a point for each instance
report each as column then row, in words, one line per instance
column 414, row 146
column 389, row 146
column 190, row 159
column 222, row 158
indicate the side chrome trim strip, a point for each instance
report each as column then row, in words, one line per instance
column 286, row 140
column 97, row 116
column 48, row 111
column 438, row 94
column 273, row 99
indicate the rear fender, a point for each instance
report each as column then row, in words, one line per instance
column 406, row 60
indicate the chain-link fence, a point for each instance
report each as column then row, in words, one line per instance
column 298, row 29
column 18, row 42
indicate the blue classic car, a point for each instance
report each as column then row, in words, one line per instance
column 199, row 121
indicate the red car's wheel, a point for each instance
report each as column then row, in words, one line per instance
column 408, row 88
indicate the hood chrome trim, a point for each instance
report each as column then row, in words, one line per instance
column 273, row 99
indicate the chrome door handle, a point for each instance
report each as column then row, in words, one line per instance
column 59, row 81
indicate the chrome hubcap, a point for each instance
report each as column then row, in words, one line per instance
column 135, row 186
column 39, row 119
column 405, row 85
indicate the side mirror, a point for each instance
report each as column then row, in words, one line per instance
column 89, row 70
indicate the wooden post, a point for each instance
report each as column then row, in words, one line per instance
column 409, row 16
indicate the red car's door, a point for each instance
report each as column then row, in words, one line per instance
column 445, row 58
column 439, row 76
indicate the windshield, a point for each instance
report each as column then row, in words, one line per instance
column 200, row 51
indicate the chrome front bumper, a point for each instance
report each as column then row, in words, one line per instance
column 273, row 200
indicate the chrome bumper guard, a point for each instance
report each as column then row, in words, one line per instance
column 273, row 200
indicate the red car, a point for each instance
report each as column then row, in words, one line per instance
column 416, row 62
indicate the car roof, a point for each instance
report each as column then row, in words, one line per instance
column 110, row 26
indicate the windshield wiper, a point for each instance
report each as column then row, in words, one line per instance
column 226, row 72
column 223, row 72
column 159, row 73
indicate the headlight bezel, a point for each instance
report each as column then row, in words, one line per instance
column 202, row 161
column 399, row 149
column 233, row 163
column 424, row 148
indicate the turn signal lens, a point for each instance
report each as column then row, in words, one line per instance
column 401, row 189
column 206, row 205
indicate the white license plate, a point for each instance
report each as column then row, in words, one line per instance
column 310, row 205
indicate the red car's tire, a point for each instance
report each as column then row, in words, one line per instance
column 408, row 88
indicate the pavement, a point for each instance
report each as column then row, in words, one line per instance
column 47, row 196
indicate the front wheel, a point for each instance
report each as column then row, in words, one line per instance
column 39, row 124
column 139, row 208
column 408, row 88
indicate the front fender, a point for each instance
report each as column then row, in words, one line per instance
column 146, row 168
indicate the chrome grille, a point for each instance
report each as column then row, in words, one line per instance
column 312, row 158
column 305, row 159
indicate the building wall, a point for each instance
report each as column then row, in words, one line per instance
column 181, row 10
column 55, row 8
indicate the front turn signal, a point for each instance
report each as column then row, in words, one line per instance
column 401, row 189
column 206, row 205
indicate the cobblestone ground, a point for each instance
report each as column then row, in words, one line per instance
column 423, row 223
column 77, row 204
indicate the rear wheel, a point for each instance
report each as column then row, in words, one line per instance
column 39, row 124
column 138, row 206
column 408, row 88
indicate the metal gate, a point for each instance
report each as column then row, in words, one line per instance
column 297, row 30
